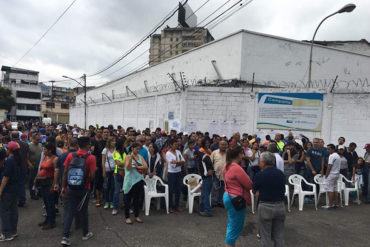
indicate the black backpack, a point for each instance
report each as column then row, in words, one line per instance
column 76, row 176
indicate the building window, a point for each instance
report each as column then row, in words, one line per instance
column 28, row 107
column 170, row 46
column 170, row 39
column 29, row 95
column 50, row 105
column 64, row 106
column 177, row 39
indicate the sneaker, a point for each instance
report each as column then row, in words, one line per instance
column 43, row 223
column 331, row 208
column 48, row 226
column 111, row 205
column 65, row 241
column 3, row 238
column 258, row 236
column 205, row 214
column 114, row 212
column 87, row 236
column 106, row 205
column 15, row 235
column 336, row 206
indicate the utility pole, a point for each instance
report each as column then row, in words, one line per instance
column 52, row 100
column 85, row 90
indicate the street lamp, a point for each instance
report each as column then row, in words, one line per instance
column 347, row 8
column 84, row 87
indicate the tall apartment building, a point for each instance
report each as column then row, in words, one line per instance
column 174, row 41
column 56, row 102
column 26, row 90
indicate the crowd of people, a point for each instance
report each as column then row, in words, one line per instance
column 65, row 165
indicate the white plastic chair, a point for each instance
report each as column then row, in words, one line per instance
column 346, row 190
column 287, row 196
column 150, row 189
column 296, row 180
column 191, row 196
column 320, row 180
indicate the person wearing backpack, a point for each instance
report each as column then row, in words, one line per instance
column 79, row 171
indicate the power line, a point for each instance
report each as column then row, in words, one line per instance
column 148, row 49
column 242, row 5
column 166, row 50
column 42, row 36
column 128, row 63
column 138, row 44
column 198, row 9
column 214, row 12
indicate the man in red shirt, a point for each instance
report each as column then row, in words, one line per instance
column 77, row 200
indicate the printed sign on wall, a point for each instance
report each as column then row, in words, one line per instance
column 293, row 111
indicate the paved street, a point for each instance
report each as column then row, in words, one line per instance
column 344, row 227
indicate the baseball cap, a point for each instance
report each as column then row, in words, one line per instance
column 367, row 146
column 257, row 139
column 12, row 146
column 341, row 147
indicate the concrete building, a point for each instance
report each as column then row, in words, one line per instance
column 26, row 90
column 174, row 41
column 224, row 79
column 361, row 46
column 56, row 102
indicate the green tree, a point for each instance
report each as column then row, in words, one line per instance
column 6, row 99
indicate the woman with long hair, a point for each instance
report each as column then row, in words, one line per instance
column 47, row 180
column 175, row 161
column 206, row 147
column 9, row 171
column 237, row 185
column 108, row 165
column 133, row 184
column 119, row 157
column 155, row 161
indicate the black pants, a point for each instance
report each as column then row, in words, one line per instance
column 76, row 205
column 9, row 214
column 135, row 194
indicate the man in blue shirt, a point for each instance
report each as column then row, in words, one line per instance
column 315, row 160
column 270, row 185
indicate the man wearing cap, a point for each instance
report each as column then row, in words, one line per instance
column 9, row 177
column 366, row 173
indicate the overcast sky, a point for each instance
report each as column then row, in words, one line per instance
column 94, row 33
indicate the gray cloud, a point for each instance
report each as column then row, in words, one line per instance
column 94, row 33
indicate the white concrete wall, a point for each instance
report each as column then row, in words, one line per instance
column 196, row 65
column 283, row 62
column 345, row 115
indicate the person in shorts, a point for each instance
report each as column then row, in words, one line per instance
column 332, row 176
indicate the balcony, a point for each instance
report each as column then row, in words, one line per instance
column 28, row 113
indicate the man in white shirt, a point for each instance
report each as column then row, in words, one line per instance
column 273, row 148
column 332, row 176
